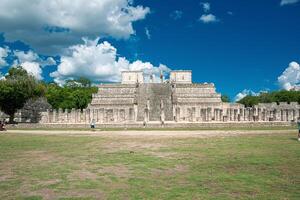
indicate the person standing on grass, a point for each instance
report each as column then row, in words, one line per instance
column 93, row 124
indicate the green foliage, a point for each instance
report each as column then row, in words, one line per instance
column 74, row 94
column 225, row 98
column 16, row 89
column 276, row 96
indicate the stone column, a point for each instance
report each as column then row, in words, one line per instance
column 66, row 116
column 221, row 115
column 215, row 114
column 209, row 114
column 135, row 110
column 235, row 113
column 87, row 116
column 101, row 115
column 162, row 111
column 49, row 116
column 54, row 116
column 294, row 118
column 60, row 115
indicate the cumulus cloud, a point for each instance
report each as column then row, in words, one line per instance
column 23, row 56
column 3, row 54
column 33, row 68
column 208, row 18
column 176, row 14
column 287, row 2
column 49, row 26
column 245, row 93
column 290, row 78
column 32, row 62
column 205, row 6
column 99, row 62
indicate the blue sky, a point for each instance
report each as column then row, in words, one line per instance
column 241, row 46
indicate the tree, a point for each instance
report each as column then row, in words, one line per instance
column 81, row 99
column 74, row 94
column 275, row 96
column 18, row 87
column 225, row 98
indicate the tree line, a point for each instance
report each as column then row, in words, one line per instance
column 18, row 87
column 275, row 96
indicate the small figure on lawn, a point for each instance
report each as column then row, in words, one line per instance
column 93, row 126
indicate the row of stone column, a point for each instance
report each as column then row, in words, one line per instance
column 112, row 115
column 194, row 114
column 191, row 114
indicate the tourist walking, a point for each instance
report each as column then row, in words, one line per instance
column 93, row 126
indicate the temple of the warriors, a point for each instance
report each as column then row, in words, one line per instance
column 177, row 100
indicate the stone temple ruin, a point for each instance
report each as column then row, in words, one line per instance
column 177, row 100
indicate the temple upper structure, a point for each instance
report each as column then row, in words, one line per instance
column 177, row 100
column 132, row 77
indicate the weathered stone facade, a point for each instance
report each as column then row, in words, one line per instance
column 175, row 101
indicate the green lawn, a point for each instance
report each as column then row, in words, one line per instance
column 86, row 167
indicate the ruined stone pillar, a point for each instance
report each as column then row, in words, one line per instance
column 135, row 110
column 60, row 115
column 73, row 116
column 221, row 115
column 101, row 115
column 294, row 118
column 230, row 114
column 49, row 116
column 162, row 111
column 215, row 114
column 285, row 114
column 87, row 116
column 66, row 116
column 209, row 114
column 289, row 115
column 54, row 116
column 235, row 115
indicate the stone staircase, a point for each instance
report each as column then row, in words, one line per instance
column 155, row 92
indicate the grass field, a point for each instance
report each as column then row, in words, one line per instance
column 95, row 167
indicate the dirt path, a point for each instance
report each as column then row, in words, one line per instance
column 154, row 134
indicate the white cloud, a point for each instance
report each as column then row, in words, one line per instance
column 49, row 26
column 3, row 54
column 33, row 68
column 147, row 32
column 32, row 62
column 176, row 14
column 98, row 62
column 205, row 6
column 208, row 18
column 49, row 61
column 245, row 93
column 290, row 78
column 287, row 2
column 26, row 57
